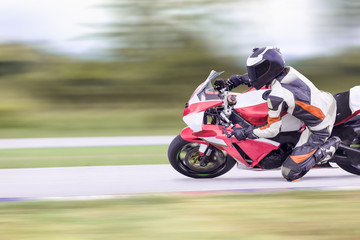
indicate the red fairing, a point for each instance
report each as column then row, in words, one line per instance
column 187, row 134
column 200, row 107
column 256, row 115
column 256, row 150
column 208, row 131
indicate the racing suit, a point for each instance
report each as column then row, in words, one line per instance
column 295, row 94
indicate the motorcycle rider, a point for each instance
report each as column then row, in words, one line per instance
column 293, row 93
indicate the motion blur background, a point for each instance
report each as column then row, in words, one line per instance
column 124, row 67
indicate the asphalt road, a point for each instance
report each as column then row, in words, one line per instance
column 40, row 183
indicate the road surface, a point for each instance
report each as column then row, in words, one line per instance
column 44, row 183
column 114, row 181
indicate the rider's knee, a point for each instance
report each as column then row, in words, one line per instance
column 290, row 175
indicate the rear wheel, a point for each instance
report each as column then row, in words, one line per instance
column 348, row 165
column 184, row 156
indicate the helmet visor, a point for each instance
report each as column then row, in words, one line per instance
column 256, row 71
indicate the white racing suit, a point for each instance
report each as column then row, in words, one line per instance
column 295, row 94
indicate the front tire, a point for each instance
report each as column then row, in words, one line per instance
column 184, row 158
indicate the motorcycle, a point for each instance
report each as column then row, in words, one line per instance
column 207, row 149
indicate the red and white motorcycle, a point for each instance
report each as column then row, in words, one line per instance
column 206, row 149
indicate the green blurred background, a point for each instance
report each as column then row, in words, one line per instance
column 124, row 67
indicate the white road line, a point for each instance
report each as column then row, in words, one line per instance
column 84, row 142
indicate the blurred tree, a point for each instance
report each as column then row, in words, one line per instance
column 144, row 30
column 158, row 44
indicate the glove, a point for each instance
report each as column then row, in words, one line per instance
column 236, row 80
column 244, row 133
column 219, row 84
column 239, row 133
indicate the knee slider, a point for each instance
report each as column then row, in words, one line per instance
column 289, row 175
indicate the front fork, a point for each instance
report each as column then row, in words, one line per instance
column 205, row 153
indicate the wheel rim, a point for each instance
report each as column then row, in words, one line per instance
column 189, row 159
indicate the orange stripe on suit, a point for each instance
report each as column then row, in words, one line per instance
column 311, row 109
column 301, row 158
column 270, row 121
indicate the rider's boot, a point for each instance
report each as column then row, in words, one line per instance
column 292, row 171
column 326, row 151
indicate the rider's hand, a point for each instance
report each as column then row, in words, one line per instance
column 244, row 133
column 219, row 84
column 236, row 80
column 239, row 133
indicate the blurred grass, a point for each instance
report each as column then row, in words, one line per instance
column 94, row 156
column 289, row 215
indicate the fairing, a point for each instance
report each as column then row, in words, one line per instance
column 203, row 98
column 256, row 150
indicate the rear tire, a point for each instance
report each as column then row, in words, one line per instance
column 183, row 157
column 349, row 166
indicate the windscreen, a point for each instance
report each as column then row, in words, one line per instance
column 206, row 92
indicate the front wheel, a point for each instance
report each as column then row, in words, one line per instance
column 184, row 156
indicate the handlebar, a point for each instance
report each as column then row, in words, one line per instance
column 229, row 135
